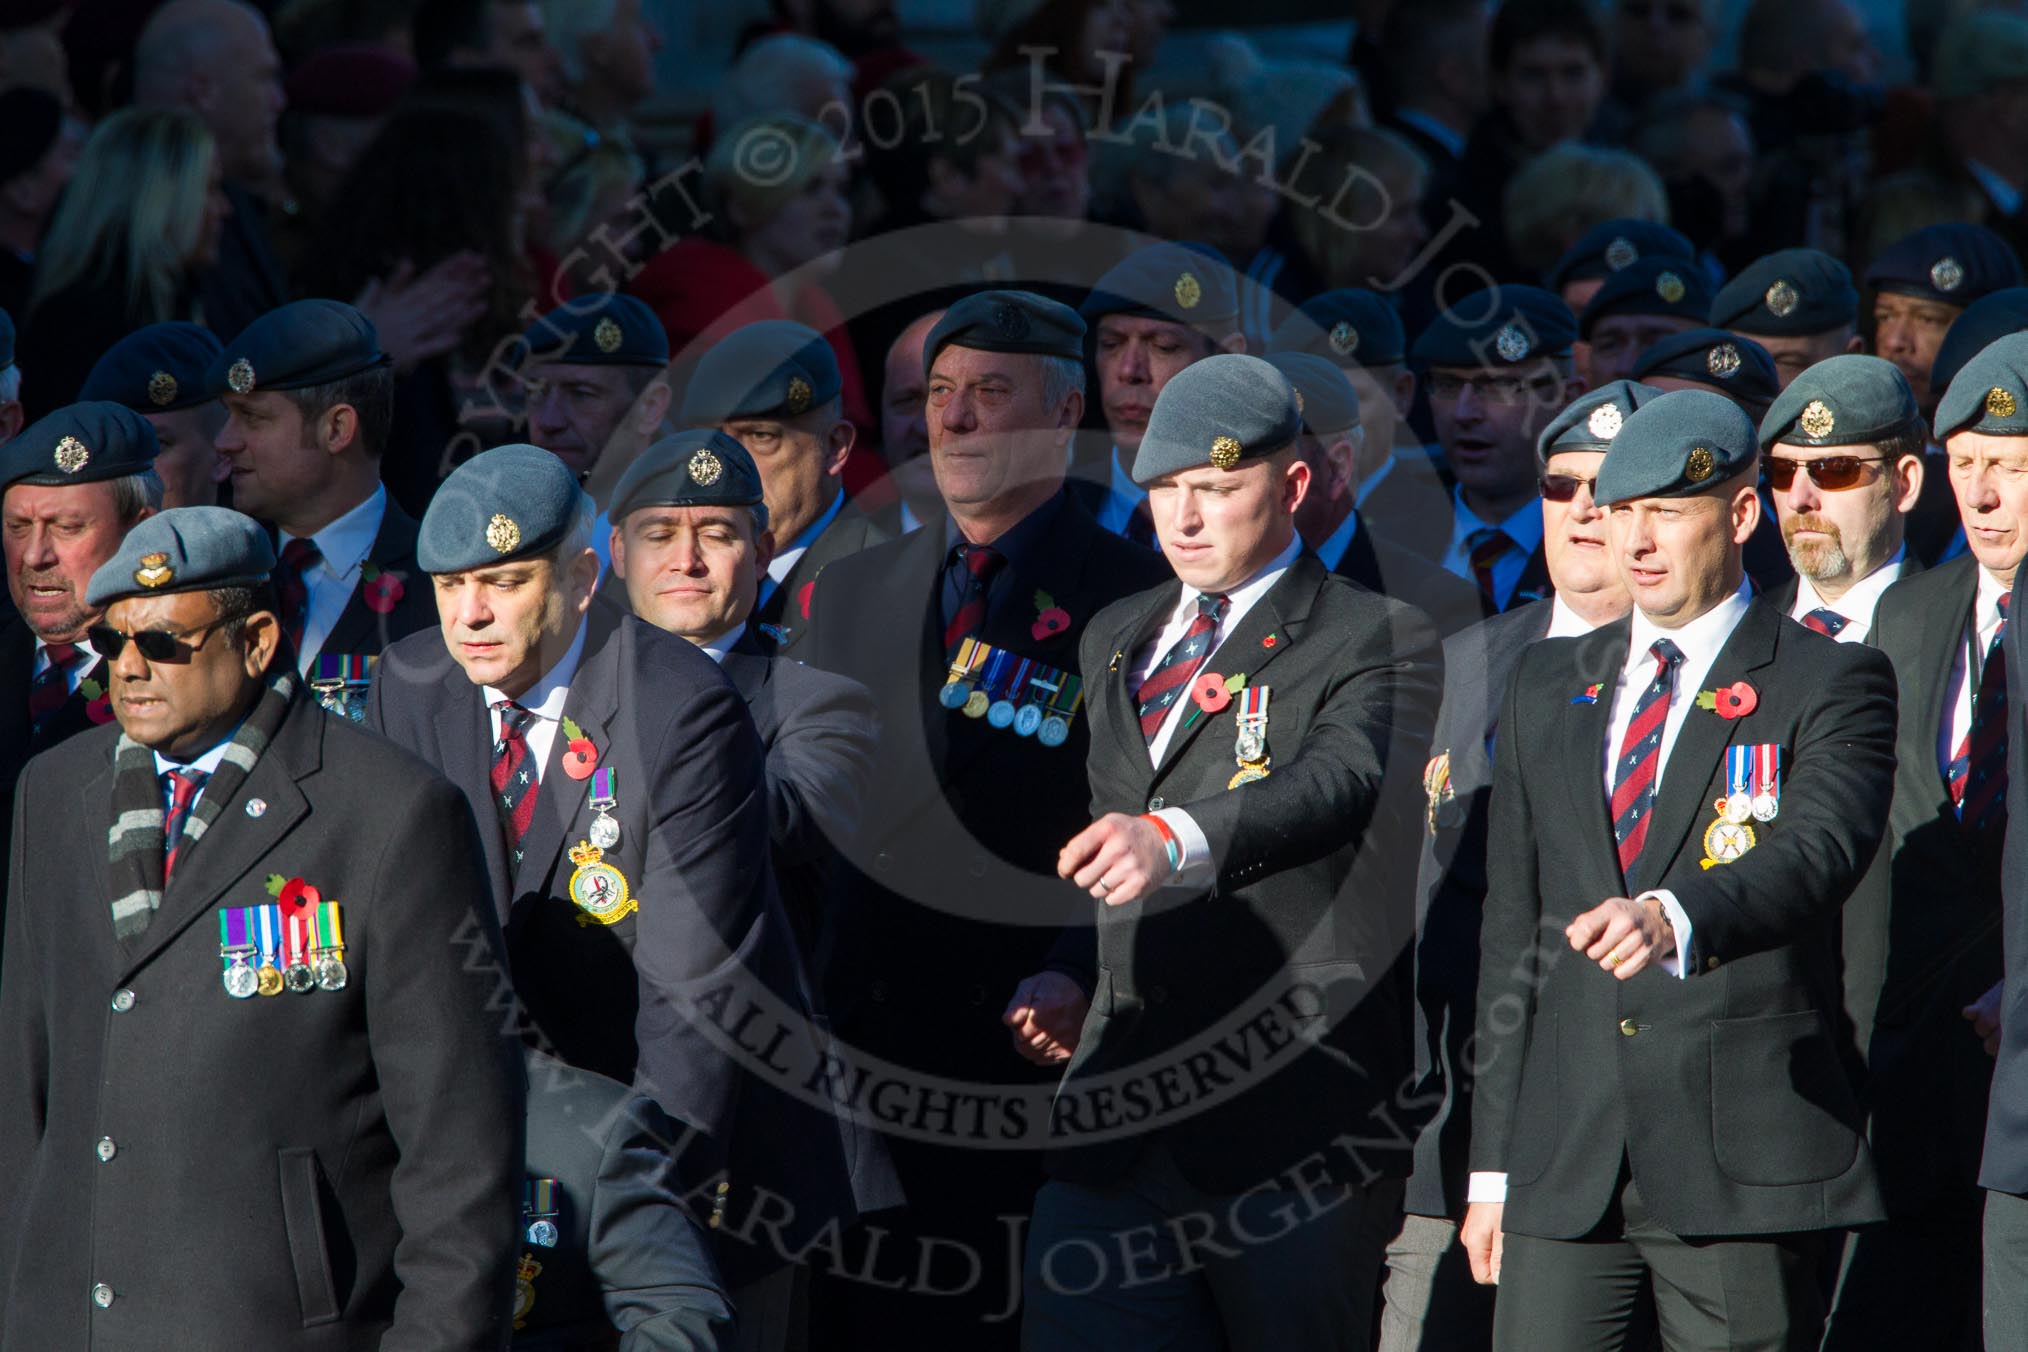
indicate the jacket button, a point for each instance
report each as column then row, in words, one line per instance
column 878, row 990
column 1711, row 963
column 978, row 869
column 1155, row 804
column 1157, row 994
column 107, row 1149
column 1629, row 1027
column 883, row 861
column 102, row 1295
column 123, row 1000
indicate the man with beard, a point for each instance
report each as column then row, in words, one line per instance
column 1844, row 467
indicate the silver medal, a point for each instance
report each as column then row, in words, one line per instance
column 1055, row 731
column 1001, row 714
column 298, row 977
column 605, row 831
column 543, row 1233
column 1028, row 720
column 241, row 982
column 1765, row 805
column 1250, row 745
column 1738, row 807
column 331, row 974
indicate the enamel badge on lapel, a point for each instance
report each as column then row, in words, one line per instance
column 1588, row 695
column 1249, row 748
column 598, row 889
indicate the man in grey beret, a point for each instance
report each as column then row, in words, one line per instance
column 950, row 898
column 1958, row 661
column 150, row 1124
column 1430, row 1299
column 1844, row 447
column 1258, row 725
column 1664, row 1103
column 1799, row 304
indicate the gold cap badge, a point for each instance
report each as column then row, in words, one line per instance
column 1698, row 468
column 1621, row 253
column 1947, row 274
column 1669, row 287
column 706, row 468
column 161, row 389
column 71, row 455
column 240, row 377
column 1511, row 343
column 1781, row 298
column 1188, row 292
column 1225, row 452
column 1816, row 419
column 154, row 571
column 1999, row 402
column 1722, row 361
column 502, row 534
column 1344, row 338
column 1604, row 422
column 799, row 395
column 607, row 335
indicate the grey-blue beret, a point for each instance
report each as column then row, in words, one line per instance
column 185, row 549
column 1007, row 321
column 1676, row 445
column 1736, row 367
column 1790, row 293
column 1991, row 316
column 1990, row 394
column 1500, row 326
column 157, row 369
column 1846, row 400
column 698, row 467
column 507, row 503
column 604, row 330
column 1653, row 286
column 1611, row 245
column 302, row 344
column 1184, row 283
column 1591, row 421
column 1325, row 397
column 1955, row 264
column 1219, row 411
column 80, row 444
column 1350, row 326
column 775, row 368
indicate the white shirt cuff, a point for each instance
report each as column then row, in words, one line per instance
column 1198, row 868
column 1677, row 964
column 1486, row 1188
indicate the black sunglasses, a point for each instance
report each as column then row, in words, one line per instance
column 1563, row 487
column 157, row 645
column 1832, row 473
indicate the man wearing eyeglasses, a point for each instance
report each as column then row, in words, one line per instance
column 1640, row 305
column 308, row 1075
column 1920, row 950
column 1497, row 366
column 1844, row 446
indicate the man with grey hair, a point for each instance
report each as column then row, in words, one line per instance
column 966, row 631
column 607, row 51
column 783, row 73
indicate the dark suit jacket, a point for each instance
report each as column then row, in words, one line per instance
column 629, row 1255
column 1450, row 892
column 1288, row 954
column 1919, row 933
column 2004, row 1167
column 1378, row 564
column 1725, row 1088
column 328, row 1170
column 787, row 607
column 1411, row 506
column 360, row 628
column 633, row 999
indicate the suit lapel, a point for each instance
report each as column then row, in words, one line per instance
column 393, row 546
column 1264, row 633
column 592, row 703
column 1943, row 633
column 1601, row 655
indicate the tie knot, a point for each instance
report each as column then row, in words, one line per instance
column 185, row 782
column 1667, row 654
column 2002, row 603
column 982, row 560
column 513, row 718
column 61, row 654
column 300, row 554
column 1213, row 607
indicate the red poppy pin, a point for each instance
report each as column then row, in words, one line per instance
column 382, row 591
column 580, row 757
column 1050, row 618
column 98, row 704
column 1733, row 701
column 1270, row 641
column 293, row 891
column 803, row 594
column 1210, row 693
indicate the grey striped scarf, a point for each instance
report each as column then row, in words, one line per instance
column 135, row 843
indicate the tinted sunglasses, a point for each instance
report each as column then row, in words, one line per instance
column 1832, row 473
column 157, row 645
column 1563, row 487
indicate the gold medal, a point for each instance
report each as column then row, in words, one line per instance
column 598, row 889
column 1726, row 841
column 270, row 981
column 976, row 704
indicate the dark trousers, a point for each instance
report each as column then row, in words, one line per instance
column 1911, row 1282
column 1755, row 1293
column 1431, row 1303
column 1154, row 1262
column 2006, row 1270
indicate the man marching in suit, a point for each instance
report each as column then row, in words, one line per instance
column 1257, row 725
column 1682, row 802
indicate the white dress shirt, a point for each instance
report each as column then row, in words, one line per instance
column 342, row 548
column 1986, row 607
column 207, row 764
column 76, row 673
column 1856, row 605
column 544, row 699
column 1197, row 864
column 789, row 555
column 1123, row 497
column 1523, row 527
column 717, row 648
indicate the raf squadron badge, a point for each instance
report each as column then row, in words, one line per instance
column 599, row 890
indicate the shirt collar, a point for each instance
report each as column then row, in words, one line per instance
column 1241, row 598
column 207, row 763
column 1017, row 542
column 1987, row 613
column 1860, row 598
column 1565, row 622
column 83, row 645
column 788, row 555
column 1436, row 131
column 717, row 648
column 1699, row 640
column 545, row 698
column 1523, row 526
column 1124, row 487
column 1332, row 551
column 344, row 544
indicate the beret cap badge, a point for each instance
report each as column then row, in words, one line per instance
column 1722, row 361
column 2000, row 403
column 706, row 468
column 1698, row 468
column 799, row 395
column 1511, row 343
column 71, row 455
column 154, row 571
column 1604, row 422
column 1009, row 322
column 1782, row 298
column 607, row 335
column 240, row 376
column 161, row 389
column 1669, row 287
column 1225, row 452
column 1947, row 274
column 1188, row 291
column 1816, row 419
column 1344, row 338
column 502, row 534
column 1621, row 253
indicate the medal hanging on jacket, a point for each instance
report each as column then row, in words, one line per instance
column 1249, row 748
